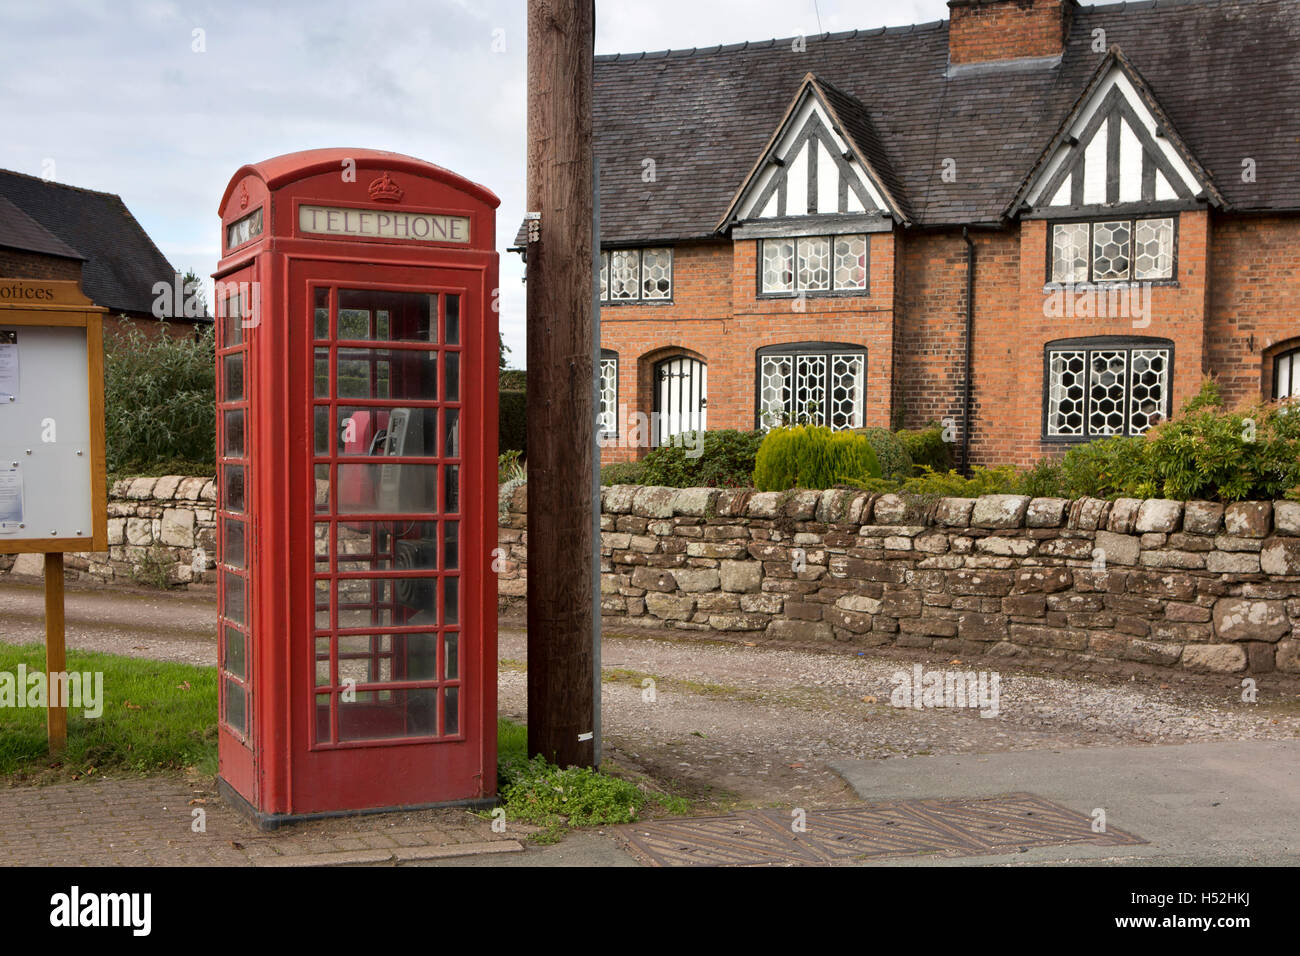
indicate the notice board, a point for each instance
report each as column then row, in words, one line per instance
column 53, row 485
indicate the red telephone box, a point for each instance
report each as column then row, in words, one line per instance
column 356, row 434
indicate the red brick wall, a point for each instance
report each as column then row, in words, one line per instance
column 151, row 327
column 1009, row 341
column 716, row 315
column 913, row 322
column 930, row 342
column 33, row 265
column 982, row 30
column 1254, row 302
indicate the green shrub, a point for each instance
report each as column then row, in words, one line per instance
column 160, row 402
column 927, row 449
column 1003, row 480
column 814, row 457
column 510, row 468
column 725, row 460
column 512, row 421
column 890, row 451
column 512, row 380
column 1205, row 452
column 622, row 473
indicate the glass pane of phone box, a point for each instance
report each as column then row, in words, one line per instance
column 411, row 432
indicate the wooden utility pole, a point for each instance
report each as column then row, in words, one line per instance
column 561, row 411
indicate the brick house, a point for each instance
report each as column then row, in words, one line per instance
column 1047, row 220
column 52, row 231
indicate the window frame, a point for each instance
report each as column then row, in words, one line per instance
column 829, row 293
column 1293, row 356
column 1132, row 219
column 828, row 349
column 1103, row 343
column 606, row 260
column 607, row 355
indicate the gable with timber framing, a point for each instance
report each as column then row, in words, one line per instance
column 1116, row 149
column 816, row 171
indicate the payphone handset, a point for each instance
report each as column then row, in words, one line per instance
column 399, row 489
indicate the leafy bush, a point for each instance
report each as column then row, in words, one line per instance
column 1205, row 452
column 512, row 421
column 890, row 451
column 814, row 457
column 1003, row 480
column 927, row 449
column 725, row 460
column 622, row 473
column 160, row 402
column 510, row 468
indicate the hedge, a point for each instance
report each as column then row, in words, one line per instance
column 512, row 421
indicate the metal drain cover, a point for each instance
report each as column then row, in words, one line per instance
column 950, row 828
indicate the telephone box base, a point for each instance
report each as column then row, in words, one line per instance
column 273, row 821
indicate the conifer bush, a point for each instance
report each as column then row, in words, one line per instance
column 813, row 457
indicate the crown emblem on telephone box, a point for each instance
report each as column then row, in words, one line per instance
column 384, row 189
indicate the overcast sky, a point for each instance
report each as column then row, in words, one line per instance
column 113, row 95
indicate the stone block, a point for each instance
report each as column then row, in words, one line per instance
column 1122, row 549
column 1241, row 619
column 1217, row 658
column 1160, row 515
column 1203, row 517
column 999, row 511
column 1248, row 519
column 1280, row 556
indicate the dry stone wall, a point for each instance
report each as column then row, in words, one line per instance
column 1195, row 585
column 160, row 531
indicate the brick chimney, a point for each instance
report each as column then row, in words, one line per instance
column 984, row 31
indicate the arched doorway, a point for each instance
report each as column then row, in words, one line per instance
column 680, row 397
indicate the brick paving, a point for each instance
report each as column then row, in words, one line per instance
column 150, row 822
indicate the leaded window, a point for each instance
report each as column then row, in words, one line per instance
column 813, row 384
column 1286, row 375
column 1112, row 250
column 636, row 275
column 1097, row 388
column 813, row 264
column 607, row 406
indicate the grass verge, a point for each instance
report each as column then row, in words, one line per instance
column 157, row 717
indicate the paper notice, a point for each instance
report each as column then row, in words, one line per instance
column 11, row 500
column 8, row 366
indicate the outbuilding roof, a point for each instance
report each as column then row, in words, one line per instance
column 122, row 263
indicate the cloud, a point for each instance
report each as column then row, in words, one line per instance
column 118, row 97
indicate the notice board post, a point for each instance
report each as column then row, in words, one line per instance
column 53, row 484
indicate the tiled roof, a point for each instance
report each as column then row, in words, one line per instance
column 1226, row 73
column 20, row 231
column 122, row 263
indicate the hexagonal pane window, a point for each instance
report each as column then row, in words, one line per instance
column 815, row 263
column 657, row 273
column 1110, row 250
column 1153, row 249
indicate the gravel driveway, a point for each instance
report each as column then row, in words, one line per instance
column 758, row 724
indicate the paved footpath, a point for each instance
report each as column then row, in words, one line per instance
column 151, row 822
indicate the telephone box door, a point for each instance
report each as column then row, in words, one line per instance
column 388, row 687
